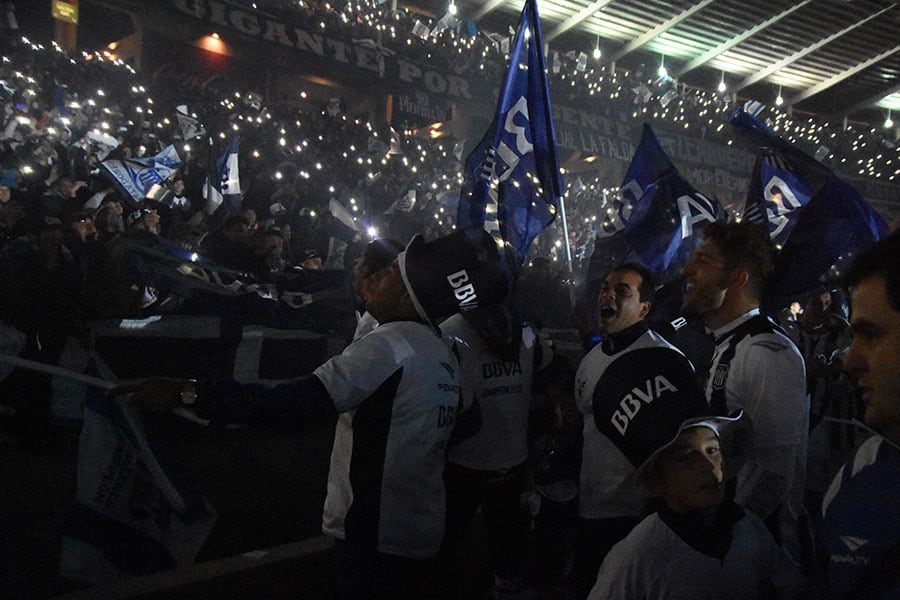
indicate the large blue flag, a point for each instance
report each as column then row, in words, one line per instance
column 226, row 190
column 784, row 177
column 667, row 215
column 819, row 220
column 658, row 222
column 835, row 224
column 512, row 182
column 135, row 176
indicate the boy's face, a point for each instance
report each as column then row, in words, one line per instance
column 689, row 475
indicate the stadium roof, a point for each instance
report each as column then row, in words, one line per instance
column 833, row 58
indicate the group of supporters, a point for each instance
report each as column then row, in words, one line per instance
column 713, row 476
column 692, row 481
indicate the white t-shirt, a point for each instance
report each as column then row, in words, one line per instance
column 653, row 563
column 386, row 483
column 503, row 390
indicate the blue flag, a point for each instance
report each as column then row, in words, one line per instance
column 784, row 177
column 135, row 176
column 835, row 224
column 819, row 220
column 512, row 182
column 657, row 223
column 312, row 299
column 668, row 215
column 227, row 190
column 776, row 192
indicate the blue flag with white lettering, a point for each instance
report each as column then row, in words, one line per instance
column 668, row 215
column 135, row 176
column 775, row 194
column 819, row 220
column 512, row 181
column 784, row 177
column 835, row 224
column 658, row 221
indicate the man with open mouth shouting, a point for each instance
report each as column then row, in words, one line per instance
column 626, row 388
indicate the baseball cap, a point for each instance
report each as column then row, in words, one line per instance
column 453, row 273
column 734, row 433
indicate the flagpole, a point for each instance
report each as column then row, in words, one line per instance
column 32, row 365
column 565, row 224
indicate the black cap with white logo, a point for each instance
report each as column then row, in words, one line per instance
column 453, row 273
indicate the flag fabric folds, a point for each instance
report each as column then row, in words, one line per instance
column 512, row 183
column 784, row 177
column 819, row 220
column 135, row 512
column 658, row 223
column 835, row 224
column 135, row 176
column 667, row 213
column 190, row 126
column 775, row 193
column 227, row 189
column 310, row 299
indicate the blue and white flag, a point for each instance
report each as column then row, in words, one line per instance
column 776, row 192
column 227, row 191
column 190, row 126
column 135, row 513
column 309, row 299
column 784, row 177
column 834, row 225
column 659, row 221
column 512, row 181
column 135, row 176
column 667, row 213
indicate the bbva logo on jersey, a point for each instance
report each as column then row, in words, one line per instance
column 631, row 404
column 500, row 368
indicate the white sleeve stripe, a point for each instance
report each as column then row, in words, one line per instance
column 866, row 454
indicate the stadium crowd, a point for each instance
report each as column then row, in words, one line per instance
column 721, row 477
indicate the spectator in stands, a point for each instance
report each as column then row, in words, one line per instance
column 397, row 392
column 228, row 246
column 630, row 362
column 858, row 542
column 108, row 219
column 267, row 249
column 756, row 368
column 312, row 259
column 698, row 543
